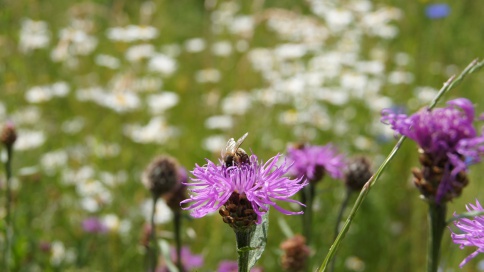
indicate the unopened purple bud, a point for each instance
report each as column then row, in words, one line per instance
column 161, row 175
column 8, row 135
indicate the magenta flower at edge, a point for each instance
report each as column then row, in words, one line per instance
column 313, row 161
column 261, row 184
column 472, row 232
column 447, row 138
column 189, row 261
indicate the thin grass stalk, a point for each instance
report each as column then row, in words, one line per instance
column 8, row 209
column 153, row 245
column 471, row 215
column 452, row 82
column 343, row 206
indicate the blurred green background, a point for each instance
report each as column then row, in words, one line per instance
column 99, row 88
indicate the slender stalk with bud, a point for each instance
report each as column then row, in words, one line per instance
column 8, row 137
column 357, row 172
column 160, row 177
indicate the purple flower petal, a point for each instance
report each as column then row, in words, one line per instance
column 471, row 232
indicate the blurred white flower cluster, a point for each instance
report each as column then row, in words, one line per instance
column 33, row 35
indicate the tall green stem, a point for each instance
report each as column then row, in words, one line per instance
column 8, row 204
column 307, row 197
column 436, row 230
column 243, row 246
column 178, row 244
column 153, row 246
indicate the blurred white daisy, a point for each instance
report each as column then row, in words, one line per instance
column 159, row 103
column 33, row 35
column 163, row 64
column 163, row 213
column 29, row 139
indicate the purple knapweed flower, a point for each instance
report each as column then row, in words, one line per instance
column 472, row 232
column 189, row 261
column 448, row 144
column 312, row 162
column 251, row 184
column 437, row 11
column 93, row 225
column 232, row 266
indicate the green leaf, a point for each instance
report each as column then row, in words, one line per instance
column 251, row 244
column 165, row 251
column 258, row 240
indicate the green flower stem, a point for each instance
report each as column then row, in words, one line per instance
column 437, row 226
column 243, row 238
column 344, row 204
column 153, row 256
column 307, row 198
column 450, row 84
column 177, row 222
column 8, row 204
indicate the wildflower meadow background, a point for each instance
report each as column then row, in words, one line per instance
column 97, row 89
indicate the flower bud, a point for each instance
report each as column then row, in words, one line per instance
column 8, row 134
column 161, row 175
column 296, row 253
column 357, row 173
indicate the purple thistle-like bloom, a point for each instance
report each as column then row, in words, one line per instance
column 312, row 162
column 472, row 232
column 93, row 225
column 446, row 136
column 261, row 184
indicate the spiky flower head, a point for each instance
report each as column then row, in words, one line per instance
column 8, row 136
column 312, row 162
column 471, row 232
column 357, row 173
column 448, row 143
column 243, row 191
column 296, row 253
column 161, row 175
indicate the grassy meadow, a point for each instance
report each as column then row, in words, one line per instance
column 98, row 88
